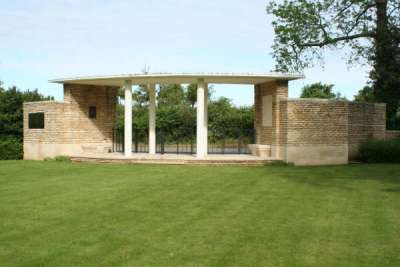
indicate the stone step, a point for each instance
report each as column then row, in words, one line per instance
column 242, row 162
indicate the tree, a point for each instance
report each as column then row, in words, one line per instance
column 11, row 115
column 191, row 94
column 366, row 94
column 229, row 121
column 11, row 119
column 319, row 90
column 141, row 95
column 370, row 29
column 170, row 95
column 176, row 116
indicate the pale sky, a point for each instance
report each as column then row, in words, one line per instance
column 42, row 40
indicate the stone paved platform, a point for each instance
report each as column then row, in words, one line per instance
column 174, row 159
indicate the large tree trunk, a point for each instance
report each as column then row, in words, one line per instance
column 384, row 72
column 381, row 39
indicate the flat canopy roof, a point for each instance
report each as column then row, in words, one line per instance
column 180, row 78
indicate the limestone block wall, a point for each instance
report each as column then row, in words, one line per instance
column 366, row 121
column 54, row 126
column 78, row 99
column 68, row 129
column 315, row 121
column 392, row 134
column 267, row 98
column 316, row 131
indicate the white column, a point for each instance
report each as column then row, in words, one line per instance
column 152, row 118
column 201, row 145
column 128, row 119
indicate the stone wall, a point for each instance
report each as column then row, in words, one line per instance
column 392, row 134
column 366, row 121
column 68, row 129
column 78, row 99
column 316, row 121
column 268, row 132
column 302, row 131
column 315, row 131
column 53, row 131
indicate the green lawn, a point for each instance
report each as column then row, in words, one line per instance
column 64, row 214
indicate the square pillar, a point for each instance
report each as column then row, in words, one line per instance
column 270, row 133
column 128, row 118
column 201, row 133
column 152, row 118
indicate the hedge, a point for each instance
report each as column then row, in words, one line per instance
column 380, row 151
column 10, row 148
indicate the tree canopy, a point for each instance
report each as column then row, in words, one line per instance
column 303, row 27
column 11, row 119
column 366, row 94
column 319, row 90
column 176, row 115
column 369, row 29
column 11, row 115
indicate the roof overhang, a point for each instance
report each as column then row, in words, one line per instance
column 182, row 78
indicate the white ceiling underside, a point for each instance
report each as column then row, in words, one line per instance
column 185, row 78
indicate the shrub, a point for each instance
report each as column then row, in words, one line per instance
column 60, row 158
column 279, row 163
column 10, row 148
column 380, row 151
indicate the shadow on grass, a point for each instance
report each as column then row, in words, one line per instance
column 345, row 177
column 392, row 190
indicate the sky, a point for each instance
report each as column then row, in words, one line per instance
column 42, row 40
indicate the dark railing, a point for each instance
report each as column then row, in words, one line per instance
column 236, row 143
column 140, row 141
column 167, row 143
column 118, row 140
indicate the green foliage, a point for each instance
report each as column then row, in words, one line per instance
column 176, row 116
column 366, row 94
column 380, row 151
column 386, row 78
column 170, row 95
column 370, row 30
column 280, row 163
column 226, row 120
column 60, row 158
column 191, row 94
column 10, row 148
column 63, row 158
column 11, row 101
column 140, row 95
column 304, row 27
column 11, row 119
column 176, row 122
column 319, row 90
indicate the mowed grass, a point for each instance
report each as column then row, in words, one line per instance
column 64, row 214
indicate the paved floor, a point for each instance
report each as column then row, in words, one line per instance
column 116, row 155
column 171, row 158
